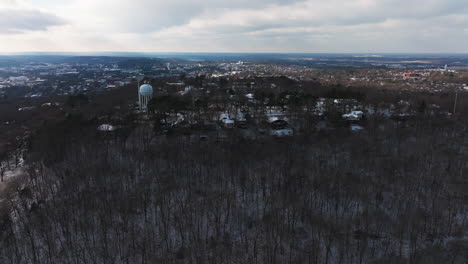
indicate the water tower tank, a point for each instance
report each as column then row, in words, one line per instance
column 146, row 90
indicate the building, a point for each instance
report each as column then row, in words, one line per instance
column 226, row 121
column 411, row 75
column 277, row 120
column 145, row 93
column 354, row 116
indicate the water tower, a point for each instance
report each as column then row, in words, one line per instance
column 145, row 93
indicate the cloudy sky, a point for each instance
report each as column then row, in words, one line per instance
column 365, row 26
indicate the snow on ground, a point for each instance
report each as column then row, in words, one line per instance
column 106, row 128
column 9, row 176
column 356, row 128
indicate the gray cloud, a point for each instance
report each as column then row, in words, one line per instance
column 325, row 14
column 14, row 21
column 244, row 25
column 144, row 16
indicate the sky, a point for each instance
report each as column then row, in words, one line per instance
column 269, row 26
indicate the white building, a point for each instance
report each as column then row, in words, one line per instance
column 354, row 115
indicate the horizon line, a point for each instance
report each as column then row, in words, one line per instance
column 234, row 53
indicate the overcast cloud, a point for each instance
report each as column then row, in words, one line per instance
column 234, row 26
column 17, row 21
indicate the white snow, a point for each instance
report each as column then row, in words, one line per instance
column 106, row 128
column 249, row 96
column 356, row 128
column 27, row 108
column 9, row 175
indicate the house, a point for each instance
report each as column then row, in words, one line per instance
column 226, row 121
column 353, row 116
column 279, row 124
column 411, row 75
column 241, row 121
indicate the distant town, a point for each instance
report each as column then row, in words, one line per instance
column 57, row 75
column 240, row 82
